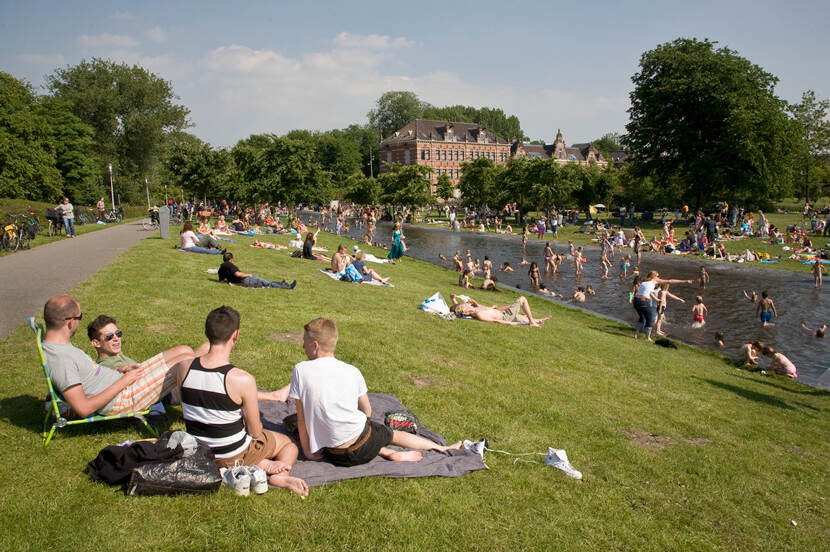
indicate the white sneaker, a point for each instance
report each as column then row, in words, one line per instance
column 237, row 480
column 559, row 460
column 477, row 446
column 259, row 479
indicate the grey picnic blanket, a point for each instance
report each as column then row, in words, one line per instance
column 453, row 463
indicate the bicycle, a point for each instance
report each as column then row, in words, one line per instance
column 114, row 216
column 152, row 222
column 14, row 235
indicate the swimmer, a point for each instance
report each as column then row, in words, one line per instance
column 752, row 297
column 534, row 276
column 579, row 295
column 719, row 340
column 766, row 309
column 699, row 310
column 506, row 267
column 817, row 332
column 442, row 256
column 545, row 291
column 780, row 363
column 590, row 290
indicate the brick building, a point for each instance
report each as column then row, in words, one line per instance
column 442, row 145
column 583, row 154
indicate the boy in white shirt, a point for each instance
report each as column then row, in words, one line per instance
column 333, row 410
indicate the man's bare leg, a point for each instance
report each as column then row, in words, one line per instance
column 280, row 467
column 411, row 441
column 526, row 308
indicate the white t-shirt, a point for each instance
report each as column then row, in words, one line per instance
column 646, row 288
column 329, row 389
column 189, row 239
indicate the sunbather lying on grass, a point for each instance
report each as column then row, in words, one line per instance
column 506, row 314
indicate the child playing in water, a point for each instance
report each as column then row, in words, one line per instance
column 780, row 363
column 662, row 300
column 590, row 290
column 506, row 267
column 524, row 245
column 703, row 277
column 604, row 264
column 456, row 259
column 549, row 267
column 818, row 270
column 753, row 297
column 699, row 310
column 750, row 351
column 571, row 249
column 578, row 260
column 719, row 340
column 579, row 295
column 765, row 309
column 533, row 274
column 625, row 264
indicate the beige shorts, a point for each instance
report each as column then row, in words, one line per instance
column 156, row 381
column 260, row 448
column 512, row 312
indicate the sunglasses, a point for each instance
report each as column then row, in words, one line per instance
column 79, row 317
column 109, row 336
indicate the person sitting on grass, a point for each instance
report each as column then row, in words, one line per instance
column 333, row 409
column 90, row 388
column 510, row 315
column 229, row 272
column 222, row 227
column 220, row 405
column 308, row 248
column 368, row 274
column 339, row 260
column 206, row 244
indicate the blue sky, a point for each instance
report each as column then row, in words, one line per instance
column 252, row 67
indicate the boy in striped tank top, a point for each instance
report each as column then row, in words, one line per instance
column 220, row 407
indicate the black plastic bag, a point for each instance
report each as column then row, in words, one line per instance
column 196, row 473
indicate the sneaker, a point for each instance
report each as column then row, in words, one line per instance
column 259, row 479
column 237, row 480
column 559, row 460
column 292, row 285
column 475, row 446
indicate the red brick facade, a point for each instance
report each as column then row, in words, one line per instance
column 442, row 145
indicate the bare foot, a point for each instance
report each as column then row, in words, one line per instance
column 293, row 484
column 406, row 456
column 455, row 446
column 274, row 467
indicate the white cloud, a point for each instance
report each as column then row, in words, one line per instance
column 107, row 40
column 371, row 41
column 52, row 60
column 242, row 90
column 156, row 34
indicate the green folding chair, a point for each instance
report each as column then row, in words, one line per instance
column 56, row 400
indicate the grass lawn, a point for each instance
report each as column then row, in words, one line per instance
column 679, row 449
column 19, row 206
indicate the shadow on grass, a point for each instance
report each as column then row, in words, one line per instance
column 772, row 383
column 748, row 394
column 620, row 330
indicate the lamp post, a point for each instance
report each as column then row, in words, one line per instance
column 112, row 190
column 371, row 160
column 147, row 187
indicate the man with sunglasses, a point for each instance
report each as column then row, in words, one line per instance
column 89, row 387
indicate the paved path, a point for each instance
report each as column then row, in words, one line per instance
column 29, row 278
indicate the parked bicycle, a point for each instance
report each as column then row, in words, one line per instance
column 17, row 232
column 115, row 215
column 152, row 220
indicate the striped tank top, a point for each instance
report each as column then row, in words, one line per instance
column 209, row 413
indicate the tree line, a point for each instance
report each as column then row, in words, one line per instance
column 705, row 125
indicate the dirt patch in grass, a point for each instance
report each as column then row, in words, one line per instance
column 699, row 441
column 651, row 441
column 287, row 337
column 425, row 381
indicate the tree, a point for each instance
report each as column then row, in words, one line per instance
column 74, row 148
column 492, row 118
column 710, row 119
column 608, row 142
column 27, row 153
column 405, row 185
column 478, row 183
column 443, row 188
column 394, row 110
column 814, row 145
column 362, row 190
column 194, row 166
column 130, row 110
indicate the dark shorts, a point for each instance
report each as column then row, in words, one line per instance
column 374, row 437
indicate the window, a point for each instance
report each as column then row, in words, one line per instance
column 571, row 157
column 406, row 157
column 388, row 157
column 462, row 156
column 456, row 155
column 443, row 155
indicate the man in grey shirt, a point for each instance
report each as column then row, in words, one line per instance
column 67, row 211
column 89, row 387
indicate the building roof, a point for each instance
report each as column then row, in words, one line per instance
column 426, row 129
column 577, row 152
column 619, row 156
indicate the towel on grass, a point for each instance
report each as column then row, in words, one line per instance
column 452, row 463
column 336, row 276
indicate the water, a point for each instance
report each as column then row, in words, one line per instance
column 730, row 312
